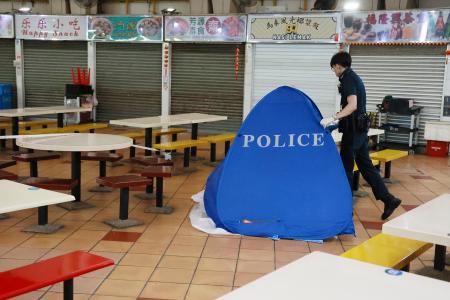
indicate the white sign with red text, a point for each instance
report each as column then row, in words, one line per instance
column 6, row 26
column 40, row 27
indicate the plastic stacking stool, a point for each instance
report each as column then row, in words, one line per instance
column 124, row 182
column 149, row 161
column 102, row 158
column 159, row 172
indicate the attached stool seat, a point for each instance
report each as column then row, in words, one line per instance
column 54, row 184
column 7, row 163
column 139, row 163
column 124, row 182
column 159, row 172
column 33, row 159
column 102, row 158
column 151, row 161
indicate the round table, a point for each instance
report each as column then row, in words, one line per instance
column 77, row 143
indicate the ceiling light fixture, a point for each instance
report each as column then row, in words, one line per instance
column 351, row 5
column 25, row 9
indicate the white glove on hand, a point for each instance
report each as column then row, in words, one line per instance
column 327, row 121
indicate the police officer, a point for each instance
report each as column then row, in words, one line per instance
column 354, row 125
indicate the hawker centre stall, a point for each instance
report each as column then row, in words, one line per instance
column 292, row 50
column 127, row 57
column 403, row 54
column 47, row 48
column 207, row 66
column 7, row 53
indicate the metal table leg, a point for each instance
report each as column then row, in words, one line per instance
column 76, row 190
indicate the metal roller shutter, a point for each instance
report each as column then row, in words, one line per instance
column 204, row 80
column 48, row 69
column 7, row 70
column 403, row 71
column 128, row 80
column 303, row 66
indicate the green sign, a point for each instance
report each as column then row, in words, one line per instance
column 125, row 28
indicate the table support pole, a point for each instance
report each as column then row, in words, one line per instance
column 439, row 257
column 76, row 174
column 15, row 131
column 194, row 136
column 148, row 140
column 60, row 120
column 76, row 190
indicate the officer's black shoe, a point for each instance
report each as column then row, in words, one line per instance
column 389, row 206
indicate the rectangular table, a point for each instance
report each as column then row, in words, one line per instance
column 16, row 196
column 430, row 222
column 325, row 276
column 337, row 136
column 148, row 123
column 16, row 113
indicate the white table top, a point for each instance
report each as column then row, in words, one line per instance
column 337, row 136
column 17, row 196
column 170, row 120
column 325, row 276
column 429, row 222
column 35, row 111
column 77, row 142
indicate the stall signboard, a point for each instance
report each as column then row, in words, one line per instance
column 125, row 28
column 6, row 26
column 205, row 28
column 46, row 27
column 396, row 26
column 293, row 28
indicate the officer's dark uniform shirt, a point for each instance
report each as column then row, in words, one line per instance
column 351, row 84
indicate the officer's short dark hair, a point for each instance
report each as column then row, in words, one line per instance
column 341, row 58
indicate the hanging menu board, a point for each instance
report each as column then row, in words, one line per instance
column 396, row 26
column 125, row 28
column 6, row 26
column 293, row 28
column 205, row 28
column 41, row 27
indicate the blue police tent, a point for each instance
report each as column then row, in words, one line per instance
column 283, row 176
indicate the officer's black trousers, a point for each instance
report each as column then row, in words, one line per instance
column 354, row 148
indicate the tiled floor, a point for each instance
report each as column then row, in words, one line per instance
column 168, row 259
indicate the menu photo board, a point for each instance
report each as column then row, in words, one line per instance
column 293, row 28
column 396, row 26
column 125, row 28
column 6, row 26
column 45, row 27
column 205, row 28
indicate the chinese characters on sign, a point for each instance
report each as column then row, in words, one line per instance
column 291, row 28
column 51, row 27
column 125, row 28
column 6, row 26
column 205, row 28
column 393, row 26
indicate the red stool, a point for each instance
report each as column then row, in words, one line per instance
column 149, row 161
column 124, row 182
column 102, row 158
column 54, row 184
column 33, row 159
column 159, row 172
column 7, row 163
column 7, row 175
